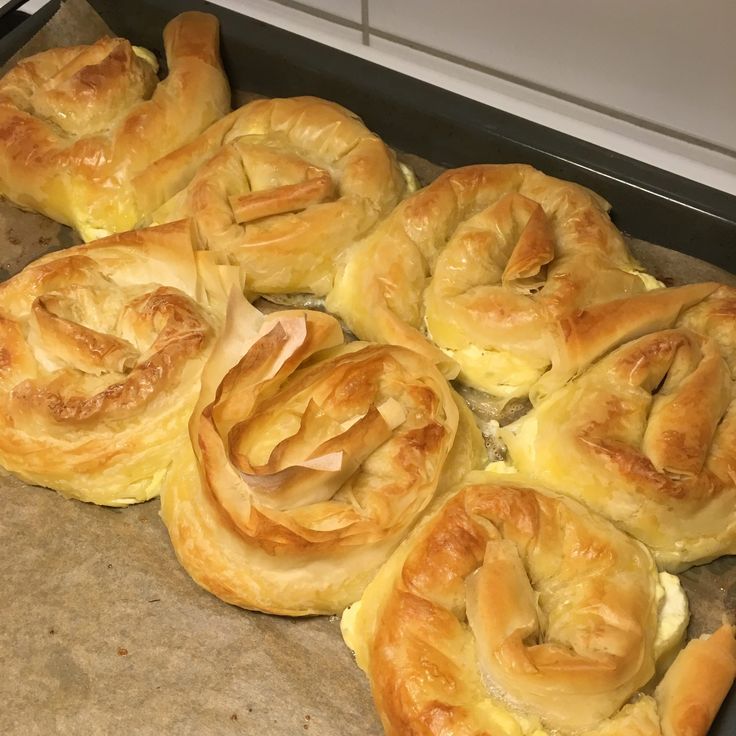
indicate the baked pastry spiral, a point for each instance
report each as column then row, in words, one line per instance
column 311, row 460
column 283, row 185
column 516, row 611
column 485, row 258
column 77, row 123
column 102, row 351
column 647, row 436
column 584, row 336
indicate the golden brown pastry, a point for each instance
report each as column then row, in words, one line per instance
column 283, row 185
column 311, row 460
column 516, row 611
column 647, row 436
column 483, row 261
column 585, row 335
column 697, row 683
column 77, row 123
column 102, row 351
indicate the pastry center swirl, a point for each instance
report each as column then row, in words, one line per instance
column 311, row 451
column 662, row 379
column 559, row 608
column 83, row 90
column 103, row 350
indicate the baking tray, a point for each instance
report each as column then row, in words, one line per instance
column 451, row 130
column 18, row 25
column 107, row 634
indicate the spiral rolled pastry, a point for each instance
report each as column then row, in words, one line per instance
column 102, row 350
column 311, row 460
column 647, row 436
column 516, row 611
column 582, row 337
column 77, row 123
column 284, row 185
column 484, row 259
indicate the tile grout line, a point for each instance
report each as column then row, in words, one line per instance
column 365, row 22
column 323, row 14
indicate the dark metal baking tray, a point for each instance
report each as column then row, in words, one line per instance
column 17, row 25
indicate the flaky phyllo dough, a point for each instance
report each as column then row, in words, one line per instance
column 474, row 269
column 283, row 186
column 311, row 459
column 646, row 434
column 516, row 612
column 102, row 351
column 78, row 123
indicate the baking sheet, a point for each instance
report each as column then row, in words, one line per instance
column 101, row 631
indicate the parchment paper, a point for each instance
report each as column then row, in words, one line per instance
column 101, row 630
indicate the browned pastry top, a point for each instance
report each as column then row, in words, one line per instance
column 77, row 123
column 647, row 434
column 314, row 459
column 516, row 611
column 102, row 350
column 484, row 260
column 283, row 185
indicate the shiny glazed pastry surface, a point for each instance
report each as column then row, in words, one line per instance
column 77, row 123
column 102, row 351
column 647, row 435
column 582, row 337
column 516, row 611
column 284, row 185
column 483, row 261
column 311, row 460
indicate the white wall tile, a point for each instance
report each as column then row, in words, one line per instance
column 670, row 62
column 296, row 21
column 349, row 9
column 681, row 157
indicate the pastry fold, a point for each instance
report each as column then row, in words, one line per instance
column 515, row 611
column 102, row 351
column 582, row 337
column 311, row 459
column 475, row 269
column 283, row 185
column 647, row 435
column 78, row 123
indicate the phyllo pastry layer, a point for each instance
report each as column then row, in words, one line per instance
column 102, row 351
column 646, row 434
column 282, row 185
column 311, row 459
column 514, row 611
column 78, row 123
column 475, row 269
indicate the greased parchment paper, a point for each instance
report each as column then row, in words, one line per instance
column 101, row 630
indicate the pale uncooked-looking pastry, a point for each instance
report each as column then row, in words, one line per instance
column 102, row 351
column 283, row 185
column 77, row 123
column 517, row 612
column 647, row 434
column 311, row 460
column 483, row 261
